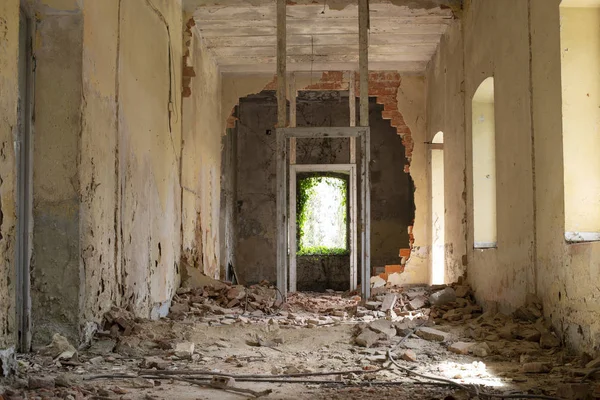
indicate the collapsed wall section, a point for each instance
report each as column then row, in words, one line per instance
column 201, row 161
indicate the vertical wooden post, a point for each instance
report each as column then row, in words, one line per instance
column 363, row 59
column 281, row 152
column 292, row 94
column 365, row 148
column 352, row 104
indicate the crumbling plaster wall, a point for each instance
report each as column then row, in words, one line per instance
column 9, row 43
column 55, row 272
column 409, row 98
column 445, row 113
column 567, row 275
column 149, row 126
column 504, row 274
column 532, row 255
column 107, row 197
column 201, row 164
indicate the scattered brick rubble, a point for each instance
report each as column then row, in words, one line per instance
column 418, row 326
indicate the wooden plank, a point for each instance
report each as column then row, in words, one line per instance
column 232, row 9
column 281, row 64
column 332, row 58
column 363, row 41
column 375, row 39
column 405, row 67
column 323, row 132
column 292, row 94
column 281, row 214
column 353, row 229
column 352, row 103
column 346, row 49
column 281, row 200
column 292, row 229
column 319, row 23
column 321, row 30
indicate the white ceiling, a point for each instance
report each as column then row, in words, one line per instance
column 321, row 34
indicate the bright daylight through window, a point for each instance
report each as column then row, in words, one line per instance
column 322, row 215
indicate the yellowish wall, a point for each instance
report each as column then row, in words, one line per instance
column 9, row 39
column 532, row 255
column 580, row 48
column 201, row 167
column 484, row 173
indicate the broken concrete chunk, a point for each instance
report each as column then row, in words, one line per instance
column 367, row 338
column 549, row 340
column 536, row 368
column 442, row 297
column 480, row 350
column 461, row 347
column 154, row 362
column 372, row 305
column 377, row 282
column 528, row 313
column 184, row 350
column 388, row 302
column 383, row 326
column 59, row 348
column 431, row 334
column 417, row 303
column 528, row 334
column 102, row 347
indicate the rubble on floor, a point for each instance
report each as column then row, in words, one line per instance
column 229, row 339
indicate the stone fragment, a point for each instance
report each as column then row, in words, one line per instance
column 372, row 305
column 409, row 355
column 536, row 367
column 65, row 380
column 480, row 350
column 508, row 331
column 377, row 282
column 431, row 334
column 549, row 340
column 388, row 302
column 184, row 350
column 40, row 382
column 59, row 348
column 102, row 347
column 442, row 297
column 529, row 334
column 97, row 360
column 528, row 313
column 367, row 338
column 383, row 326
column 456, row 314
column 129, row 346
column 417, row 303
column 405, row 327
column 460, row 347
column 142, row 383
column 154, row 362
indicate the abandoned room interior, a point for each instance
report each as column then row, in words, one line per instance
column 309, row 199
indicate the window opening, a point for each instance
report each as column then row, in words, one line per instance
column 484, row 166
column 322, row 215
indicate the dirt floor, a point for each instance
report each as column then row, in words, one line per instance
column 314, row 346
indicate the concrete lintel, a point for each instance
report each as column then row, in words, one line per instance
column 322, row 132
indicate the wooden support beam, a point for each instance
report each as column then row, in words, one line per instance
column 363, row 59
column 365, row 148
column 292, row 94
column 281, row 65
column 281, row 153
column 352, row 104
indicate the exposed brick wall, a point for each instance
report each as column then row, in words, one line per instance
column 384, row 86
column 188, row 70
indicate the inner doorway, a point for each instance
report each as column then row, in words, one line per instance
column 437, row 210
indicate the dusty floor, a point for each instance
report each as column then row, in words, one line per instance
column 312, row 334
